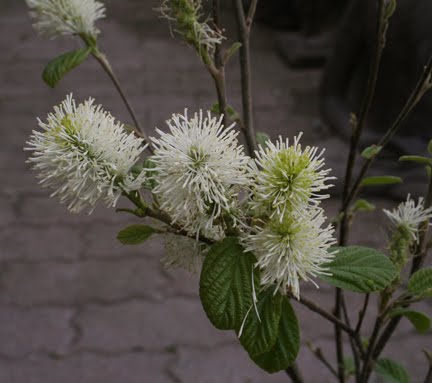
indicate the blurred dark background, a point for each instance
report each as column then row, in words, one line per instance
column 75, row 306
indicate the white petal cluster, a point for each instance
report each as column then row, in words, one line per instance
column 410, row 215
column 53, row 18
column 292, row 250
column 187, row 16
column 289, row 178
column 182, row 252
column 200, row 169
column 84, row 155
column 289, row 239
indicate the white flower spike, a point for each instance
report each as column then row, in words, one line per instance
column 292, row 250
column 289, row 178
column 84, row 155
column 410, row 215
column 54, row 18
column 199, row 171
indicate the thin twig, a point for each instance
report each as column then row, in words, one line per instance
column 325, row 314
column 362, row 314
column 219, row 75
column 320, row 356
column 245, row 69
column 102, row 60
column 251, row 13
column 294, row 373
column 368, row 360
column 421, row 88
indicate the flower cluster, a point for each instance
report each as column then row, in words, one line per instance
column 187, row 15
column 53, row 18
column 199, row 170
column 289, row 240
column 408, row 216
column 84, row 155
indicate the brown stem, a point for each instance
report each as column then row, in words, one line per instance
column 338, row 336
column 320, row 356
column 419, row 256
column 325, row 314
column 421, row 88
column 102, row 60
column 368, row 360
column 245, row 69
column 219, row 74
column 294, row 373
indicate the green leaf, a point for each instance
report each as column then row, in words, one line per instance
column 420, row 283
column 231, row 51
column 419, row 320
column 363, row 205
column 226, row 284
column 430, row 147
column 259, row 334
column 349, row 366
column 381, row 180
column 391, row 371
column 360, row 269
column 285, row 350
column 418, row 159
column 57, row 68
column 371, row 151
column 135, row 234
column 262, row 138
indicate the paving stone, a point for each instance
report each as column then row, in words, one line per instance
column 37, row 243
column 228, row 363
column 149, row 325
column 24, row 331
column 80, row 282
column 88, row 368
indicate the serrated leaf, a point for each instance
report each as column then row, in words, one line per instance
column 285, row 350
column 419, row 320
column 417, row 159
column 381, row 180
column 420, row 283
column 58, row 67
column 371, row 151
column 360, row 269
column 391, row 371
column 259, row 334
column 262, row 138
column 363, row 205
column 135, row 234
column 226, row 284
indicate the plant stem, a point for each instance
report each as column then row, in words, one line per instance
column 420, row 254
column 325, row 314
column 219, row 75
column 244, row 28
column 102, row 60
column 362, row 314
column 319, row 355
column 421, row 88
column 294, row 373
column 160, row 215
column 367, row 366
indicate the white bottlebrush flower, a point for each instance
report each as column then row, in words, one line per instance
column 84, row 155
column 410, row 215
column 292, row 250
column 200, row 169
column 53, row 18
column 289, row 178
column 187, row 17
